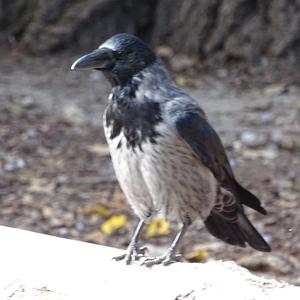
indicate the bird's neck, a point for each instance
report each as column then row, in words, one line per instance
column 122, row 94
column 154, row 79
column 133, row 114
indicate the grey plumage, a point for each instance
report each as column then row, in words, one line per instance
column 168, row 159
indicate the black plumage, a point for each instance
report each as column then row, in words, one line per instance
column 132, row 118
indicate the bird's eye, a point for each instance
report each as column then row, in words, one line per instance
column 120, row 54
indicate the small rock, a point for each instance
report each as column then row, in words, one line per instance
column 74, row 233
column 252, row 139
column 95, row 237
column 40, row 185
column 27, row 199
column 270, row 263
column 233, row 163
column 222, row 73
column 34, row 214
column 285, row 141
column 47, row 212
column 289, row 196
column 237, row 145
column 31, row 133
column 276, row 89
column 266, row 118
column 79, row 225
column 15, row 165
column 180, row 63
column 63, row 231
column 93, row 219
column 262, row 106
column 56, row 222
column 27, row 102
column 287, row 204
column 165, row 52
column 69, row 219
column 285, row 184
column 267, row 154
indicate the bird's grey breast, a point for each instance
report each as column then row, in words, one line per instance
column 130, row 123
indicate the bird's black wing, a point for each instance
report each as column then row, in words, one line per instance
column 206, row 144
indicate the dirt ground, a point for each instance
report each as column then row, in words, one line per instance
column 56, row 175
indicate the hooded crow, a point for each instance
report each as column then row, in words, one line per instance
column 168, row 159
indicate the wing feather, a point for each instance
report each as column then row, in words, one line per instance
column 194, row 128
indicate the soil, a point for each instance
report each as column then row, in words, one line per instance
column 56, row 175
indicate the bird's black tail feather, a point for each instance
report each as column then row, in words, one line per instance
column 236, row 233
column 247, row 198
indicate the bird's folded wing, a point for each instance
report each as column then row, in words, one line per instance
column 194, row 129
column 206, row 144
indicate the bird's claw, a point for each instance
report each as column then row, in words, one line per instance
column 133, row 253
column 165, row 260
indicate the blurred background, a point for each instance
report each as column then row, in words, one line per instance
column 239, row 58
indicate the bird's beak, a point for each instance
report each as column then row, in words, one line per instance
column 101, row 58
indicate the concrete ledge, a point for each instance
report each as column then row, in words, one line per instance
column 36, row 266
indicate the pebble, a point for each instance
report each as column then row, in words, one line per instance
column 56, row 222
column 69, row 219
column 222, row 73
column 79, row 225
column 95, row 236
column 63, row 231
column 47, row 212
column 275, row 89
column 233, row 163
column 34, row 214
column 267, row 154
column 165, row 51
column 262, row 106
column 15, row 165
column 271, row 263
column 181, row 63
column 285, row 141
column 253, row 139
column 31, row 133
column 27, row 102
column 265, row 118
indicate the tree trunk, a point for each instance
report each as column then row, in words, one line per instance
column 254, row 32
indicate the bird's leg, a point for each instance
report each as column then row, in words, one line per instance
column 133, row 252
column 170, row 256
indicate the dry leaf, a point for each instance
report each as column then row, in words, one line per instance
column 159, row 227
column 182, row 80
column 114, row 224
column 96, row 210
column 197, row 256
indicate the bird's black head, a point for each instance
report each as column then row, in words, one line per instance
column 120, row 58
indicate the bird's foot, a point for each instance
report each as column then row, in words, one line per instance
column 133, row 253
column 165, row 259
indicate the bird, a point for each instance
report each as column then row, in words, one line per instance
column 168, row 159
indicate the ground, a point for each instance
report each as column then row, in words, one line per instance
column 56, row 175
